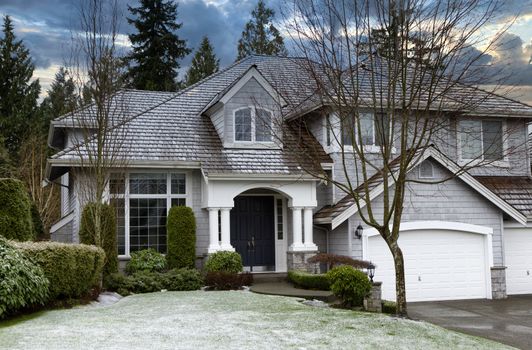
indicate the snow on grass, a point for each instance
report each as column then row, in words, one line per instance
column 221, row 320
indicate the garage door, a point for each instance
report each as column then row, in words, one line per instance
column 439, row 265
column 518, row 253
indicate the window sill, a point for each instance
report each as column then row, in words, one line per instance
column 252, row 145
column 349, row 149
column 477, row 162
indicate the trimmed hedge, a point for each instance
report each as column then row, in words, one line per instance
column 107, row 241
column 147, row 282
column 227, row 280
column 349, row 284
column 22, row 283
column 388, row 307
column 72, row 269
column 146, row 260
column 224, row 261
column 15, row 211
column 181, row 241
column 309, row 280
column 333, row 260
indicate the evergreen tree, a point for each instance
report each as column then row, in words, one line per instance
column 203, row 64
column 260, row 36
column 18, row 94
column 157, row 49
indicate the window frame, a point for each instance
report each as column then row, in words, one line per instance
column 127, row 196
column 253, row 110
column 503, row 162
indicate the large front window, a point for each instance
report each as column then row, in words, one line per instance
column 481, row 140
column 142, row 201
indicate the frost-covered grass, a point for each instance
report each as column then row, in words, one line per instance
column 222, row 320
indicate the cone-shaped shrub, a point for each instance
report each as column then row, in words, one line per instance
column 181, row 242
column 15, row 211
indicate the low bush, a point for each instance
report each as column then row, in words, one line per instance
column 147, row 260
column 147, row 282
column 224, row 261
column 349, row 284
column 181, row 241
column 22, row 283
column 309, row 280
column 333, row 260
column 72, row 269
column 107, row 234
column 221, row 280
column 15, row 211
column 388, row 307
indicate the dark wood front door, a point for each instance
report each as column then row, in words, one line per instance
column 252, row 230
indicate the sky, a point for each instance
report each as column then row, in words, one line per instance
column 46, row 28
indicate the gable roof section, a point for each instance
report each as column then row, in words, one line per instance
column 346, row 207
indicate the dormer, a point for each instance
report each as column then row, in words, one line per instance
column 247, row 114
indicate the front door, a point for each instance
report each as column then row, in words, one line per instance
column 252, row 230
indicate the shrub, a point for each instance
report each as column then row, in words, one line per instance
column 107, row 235
column 309, row 280
column 349, row 284
column 388, row 307
column 224, row 261
column 15, row 211
column 22, row 283
column 147, row 282
column 181, row 241
column 221, row 280
column 333, row 260
column 72, row 269
column 147, row 260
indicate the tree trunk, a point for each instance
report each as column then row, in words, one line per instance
column 400, row 289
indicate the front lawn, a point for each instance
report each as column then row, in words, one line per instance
column 222, row 320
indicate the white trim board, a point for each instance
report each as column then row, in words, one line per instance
column 465, row 177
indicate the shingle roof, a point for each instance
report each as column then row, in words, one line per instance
column 515, row 190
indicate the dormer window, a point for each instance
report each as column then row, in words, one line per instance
column 253, row 125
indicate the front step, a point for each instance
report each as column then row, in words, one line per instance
column 267, row 277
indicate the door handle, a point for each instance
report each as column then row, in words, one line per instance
column 253, row 242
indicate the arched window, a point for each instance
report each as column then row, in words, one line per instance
column 243, row 124
column 253, row 125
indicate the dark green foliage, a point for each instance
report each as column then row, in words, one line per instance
column 6, row 167
column 105, row 237
column 333, row 260
column 147, row 282
column 181, row 241
column 260, row 36
column 15, row 211
column 227, row 280
column 22, row 283
column 18, row 94
column 349, row 284
column 224, row 261
column 147, row 260
column 203, row 64
column 72, row 269
column 309, row 280
column 388, row 307
column 157, row 49
column 38, row 227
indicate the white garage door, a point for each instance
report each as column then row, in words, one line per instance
column 518, row 253
column 439, row 265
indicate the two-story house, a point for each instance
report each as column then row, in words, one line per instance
column 210, row 147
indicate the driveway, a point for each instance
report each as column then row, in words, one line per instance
column 507, row 321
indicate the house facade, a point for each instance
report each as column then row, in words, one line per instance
column 219, row 147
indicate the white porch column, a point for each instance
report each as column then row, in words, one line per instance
column 226, row 230
column 214, row 243
column 297, row 244
column 308, row 230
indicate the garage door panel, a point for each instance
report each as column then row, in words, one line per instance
column 518, row 258
column 439, row 265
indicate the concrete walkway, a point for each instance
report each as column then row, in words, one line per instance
column 507, row 321
column 288, row 290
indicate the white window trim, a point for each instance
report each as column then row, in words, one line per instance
column 336, row 129
column 126, row 196
column 253, row 110
column 420, row 175
column 503, row 163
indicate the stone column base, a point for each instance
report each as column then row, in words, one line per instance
column 498, row 282
column 298, row 261
column 373, row 302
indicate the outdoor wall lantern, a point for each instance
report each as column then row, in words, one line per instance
column 358, row 232
column 371, row 271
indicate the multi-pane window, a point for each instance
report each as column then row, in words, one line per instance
column 374, row 129
column 481, row 139
column 253, row 124
column 142, row 201
column 280, row 229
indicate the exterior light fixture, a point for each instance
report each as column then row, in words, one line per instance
column 358, row 232
column 371, row 271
